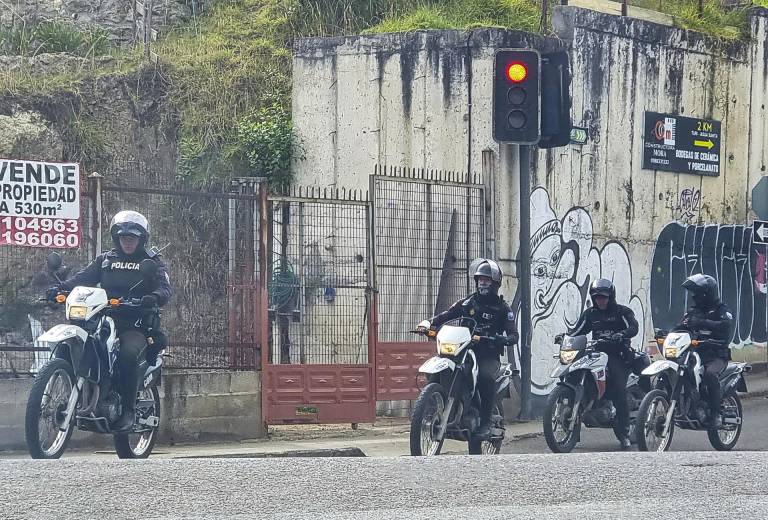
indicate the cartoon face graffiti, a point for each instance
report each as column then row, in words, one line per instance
column 563, row 262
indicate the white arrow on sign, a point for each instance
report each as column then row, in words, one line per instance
column 761, row 230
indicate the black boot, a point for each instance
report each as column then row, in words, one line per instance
column 125, row 423
column 484, row 430
column 129, row 388
column 714, row 421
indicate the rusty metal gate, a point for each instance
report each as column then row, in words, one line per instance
column 319, row 367
column 429, row 226
column 208, row 239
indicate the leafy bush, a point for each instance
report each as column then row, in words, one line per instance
column 16, row 39
column 267, row 140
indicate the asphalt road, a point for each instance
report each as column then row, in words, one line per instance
column 754, row 436
column 615, row 485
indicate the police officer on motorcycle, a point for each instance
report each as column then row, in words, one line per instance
column 117, row 272
column 616, row 324
column 710, row 315
column 493, row 317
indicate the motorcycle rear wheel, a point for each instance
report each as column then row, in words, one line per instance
column 425, row 421
column 559, row 407
column 46, row 407
column 726, row 439
column 139, row 445
column 487, row 447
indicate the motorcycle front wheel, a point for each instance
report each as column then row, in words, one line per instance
column 46, row 410
column 426, row 421
column 561, row 436
column 139, row 444
column 651, row 418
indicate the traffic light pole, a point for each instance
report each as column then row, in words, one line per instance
column 524, row 279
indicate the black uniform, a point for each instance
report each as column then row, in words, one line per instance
column 493, row 317
column 117, row 273
column 618, row 325
column 716, row 319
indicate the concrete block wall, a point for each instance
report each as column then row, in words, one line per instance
column 195, row 406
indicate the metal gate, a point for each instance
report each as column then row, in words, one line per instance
column 319, row 367
column 207, row 236
column 429, row 227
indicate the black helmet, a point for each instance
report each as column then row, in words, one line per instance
column 490, row 269
column 703, row 288
column 603, row 287
column 129, row 223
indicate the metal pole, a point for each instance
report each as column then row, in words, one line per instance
column 428, row 230
column 524, row 280
column 95, row 180
column 624, row 7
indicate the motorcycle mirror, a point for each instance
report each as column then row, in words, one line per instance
column 148, row 268
column 53, row 262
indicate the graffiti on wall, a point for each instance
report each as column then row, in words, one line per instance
column 689, row 203
column 725, row 252
column 564, row 261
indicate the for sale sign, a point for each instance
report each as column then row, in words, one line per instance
column 39, row 204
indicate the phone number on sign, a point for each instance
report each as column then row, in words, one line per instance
column 39, row 232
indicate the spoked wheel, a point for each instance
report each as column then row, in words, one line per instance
column 426, row 421
column 725, row 438
column 139, row 444
column 651, row 418
column 560, row 431
column 46, row 411
column 488, row 447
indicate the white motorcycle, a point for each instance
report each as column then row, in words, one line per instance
column 449, row 405
column 580, row 395
column 678, row 399
column 75, row 388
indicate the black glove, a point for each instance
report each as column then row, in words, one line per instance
column 51, row 294
column 500, row 341
column 149, row 300
column 617, row 337
column 694, row 322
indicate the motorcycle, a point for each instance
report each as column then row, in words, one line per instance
column 75, row 389
column 448, row 406
column 679, row 399
column 580, row 395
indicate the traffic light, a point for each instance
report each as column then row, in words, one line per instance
column 516, row 96
column 555, row 100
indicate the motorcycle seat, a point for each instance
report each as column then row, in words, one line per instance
column 728, row 371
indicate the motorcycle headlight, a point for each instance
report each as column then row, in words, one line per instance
column 567, row 356
column 77, row 313
column 670, row 352
column 448, row 349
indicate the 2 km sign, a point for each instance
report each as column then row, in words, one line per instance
column 39, row 204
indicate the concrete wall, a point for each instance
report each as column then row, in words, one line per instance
column 195, row 406
column 423, row 99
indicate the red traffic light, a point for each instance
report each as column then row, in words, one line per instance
column 517, row 72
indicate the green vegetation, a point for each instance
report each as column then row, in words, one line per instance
column 54, row 36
